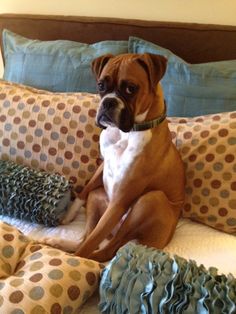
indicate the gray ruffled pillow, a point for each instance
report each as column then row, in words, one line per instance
column 145, row 280
column 33, row 195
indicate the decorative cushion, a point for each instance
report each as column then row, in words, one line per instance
column 193, row 89
column 55, row 132
column 59, row 65
column 208, row 148
column 145, row 280
column 36, row 278
column 33, row 195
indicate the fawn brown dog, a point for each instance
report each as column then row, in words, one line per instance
column 138, row 191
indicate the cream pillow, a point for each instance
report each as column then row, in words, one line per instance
column 208, row 148
column 55, row 132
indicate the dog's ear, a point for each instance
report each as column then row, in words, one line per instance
column 99, row 63
column 154, row 65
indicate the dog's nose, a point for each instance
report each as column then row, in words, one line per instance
column 109, row 102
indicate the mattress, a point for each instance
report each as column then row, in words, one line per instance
column 191, row 240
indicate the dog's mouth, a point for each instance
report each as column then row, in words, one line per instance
column 114, row 113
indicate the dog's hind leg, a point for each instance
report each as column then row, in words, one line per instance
column 151, row 221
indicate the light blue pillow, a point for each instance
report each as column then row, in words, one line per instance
column 193, row 89
column 59, row 65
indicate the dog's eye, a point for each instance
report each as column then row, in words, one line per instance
column 130, row 89
column 101, row 86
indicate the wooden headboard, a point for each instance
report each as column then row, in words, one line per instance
column 195, row 43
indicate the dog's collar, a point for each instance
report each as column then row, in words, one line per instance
column 146, row 125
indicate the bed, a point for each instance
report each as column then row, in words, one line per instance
column 205, row 54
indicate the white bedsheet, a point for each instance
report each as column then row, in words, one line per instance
column 191, row 240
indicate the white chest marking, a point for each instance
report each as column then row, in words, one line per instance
column 119, row 150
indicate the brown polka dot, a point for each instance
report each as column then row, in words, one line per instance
column 48, row 126
column 20, row 145
column 55, row 262
column 92, row 113
column 204, row 209
column 233, row 186
column 216, row 118
column 197, row 183
column 3, row 96
column 64, row 130
column 91, row 278
column 17, row 120
column 76, row 109
column 8, row 237
column 192, row 157
column 32, row 123
column 36, row 148
column 209, row 157
column 30, row 100
column 84, row 159
column 56, row 308
column 229, row 158
column 223, row 212
column 35, row 248
column 202, row 149
column 223, row 132
column 216, row 184
column 36, row 277
column 80, row 134
column 68, row 155
column 205, row 134
column 16, row 296
column 16, row 98
column 95, row 138
column 6, row 142
column 61, row 106
column 45, row 103
column 3, row 118
column 187, row 207
column 52, row 151
column 73, row 292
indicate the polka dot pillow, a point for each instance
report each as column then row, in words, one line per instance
column 39, row 279
column 55, row 132
column 208, row 148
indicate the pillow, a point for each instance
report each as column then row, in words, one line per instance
column 36, row 278
column 207, row 145
column 146, row 280
column 59, row 65
column 54, row 132
column 33, row 195
column 193, row 89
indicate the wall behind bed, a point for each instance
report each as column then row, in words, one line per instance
column 197, row 11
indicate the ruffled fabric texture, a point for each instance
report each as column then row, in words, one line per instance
column 33, row 195
column 144, row 280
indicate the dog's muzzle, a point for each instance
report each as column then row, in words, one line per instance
column 113, row 112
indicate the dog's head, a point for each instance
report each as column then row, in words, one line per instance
column 127, row 85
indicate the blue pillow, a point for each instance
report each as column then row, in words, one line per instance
column 193, row 89
column 58, row 66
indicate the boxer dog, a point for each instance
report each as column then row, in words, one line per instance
column 138, row 191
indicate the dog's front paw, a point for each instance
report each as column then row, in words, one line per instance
column 72, row 211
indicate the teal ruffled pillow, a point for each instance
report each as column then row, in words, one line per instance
column 33, row 195
column 193, row 89
column 145, row 281
column 57, row 65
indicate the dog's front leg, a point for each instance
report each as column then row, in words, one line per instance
column 106, row 224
